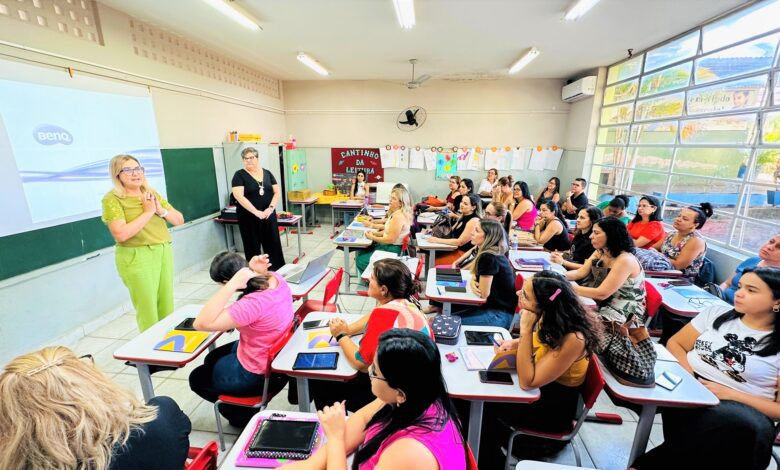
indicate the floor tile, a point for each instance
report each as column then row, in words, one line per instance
column 117, row 329
column 183, row 290
column 205, row 292
column 131, row 383
column 607, row 444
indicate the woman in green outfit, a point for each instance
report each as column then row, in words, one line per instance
column 136, row 215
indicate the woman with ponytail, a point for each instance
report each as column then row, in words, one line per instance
column 411, row 423
column 685, row 248
column 262, row 314
column 393, row 288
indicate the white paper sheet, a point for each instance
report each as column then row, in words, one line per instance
column 476, row 159
column 416, row 159
column 402, row 157
column 430, row 159
column 553, row 158
column 387, row 157
column 520, row 157
column 538, row 156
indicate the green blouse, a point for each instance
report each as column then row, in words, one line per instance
column 129, row 208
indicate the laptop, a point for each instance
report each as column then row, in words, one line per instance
column 300, row 273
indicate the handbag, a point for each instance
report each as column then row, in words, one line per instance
column 442, row 226
column 652, row 260
column 434, row 201
column 628, row 353
column 446, row 329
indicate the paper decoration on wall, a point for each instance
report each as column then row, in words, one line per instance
column 498, row 157
column 538, row 155
column 477, row 157
column 402, row 157
column 520, row 157
column 553, row 158
column 350, row 160
column 417, row 158
column 464, row 156
column 545, row 158
column 446, row 165
column 388, row 156
column 430, row 159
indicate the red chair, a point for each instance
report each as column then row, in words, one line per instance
column 405, row 244
column 324, row 305
column 653, row 305
column 202, row 458
column 471, row 462
column 590, row 390
column 259, row 402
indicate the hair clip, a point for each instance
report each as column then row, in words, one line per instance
column 555, row 294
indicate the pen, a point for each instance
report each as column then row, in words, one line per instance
column 495, row 341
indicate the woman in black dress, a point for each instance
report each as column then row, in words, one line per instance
column 257, row 194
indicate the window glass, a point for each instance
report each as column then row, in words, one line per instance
column 734, row 129
column 717, row 227
column 770, row 131
column 718, row 162
column 655, row 108
column 652, row 158
column 606, row 175
column 624, row 70
column 767, row 167
column 597, row 192
column 621, row 92
column 776, row 99
column 745, row 58
column 619, row 114
column 750, row 235
column 693, row 190
column 613, row 135
column 645, row 182
column 661, row 132
column 609, row 156
column 674, row 51
column 740, row 94
column 669, row 79
column 758, row 19
column 762, row 203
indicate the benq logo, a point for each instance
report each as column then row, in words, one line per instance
column 49, row 134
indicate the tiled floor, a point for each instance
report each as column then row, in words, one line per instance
column 602, row 446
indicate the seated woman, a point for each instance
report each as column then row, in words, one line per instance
column 496, row 211
column 685, row 248
column 360, row 186
column 503, row 191
column 551, row 192
column 486, row 186
column 768, row 257
column 454, row 187
column 460, row 236
column 492, row 278
column 262, row 314
column 550, row 228
column 523, row 209
column 557, row 338
column 391, row 285
column 465, row 188
column 58, row 410
column 391, row 235
column 647, row 227
column 411, row 423
column 736, row 355
column 581, row 247
column 616, row 208
column 617, row 281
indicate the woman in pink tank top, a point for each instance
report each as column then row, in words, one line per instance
column 412, row 422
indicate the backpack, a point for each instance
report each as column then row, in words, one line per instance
column 706, row 274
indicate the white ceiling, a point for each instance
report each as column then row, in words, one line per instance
column 361, row 39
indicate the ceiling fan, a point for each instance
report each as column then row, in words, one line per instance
column 414, row 83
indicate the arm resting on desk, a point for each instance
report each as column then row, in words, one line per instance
column 551, row 366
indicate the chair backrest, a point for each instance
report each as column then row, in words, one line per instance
column 594, row 383
column 405, row 243
column 332, row 288
column 273, row 352
column 204, row 458
column 471, row 463
column 653, row 300
column 419, row 269
column 519, row 281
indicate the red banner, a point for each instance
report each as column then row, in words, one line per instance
column 350, row 160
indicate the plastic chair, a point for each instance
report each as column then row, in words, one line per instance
column 405, row 244
column 258, row 402
column 471, row 462
column 202, row 458
column 589, row 392
column 324, row 305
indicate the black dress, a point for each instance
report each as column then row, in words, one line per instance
column 559, row 242
column 257, row 233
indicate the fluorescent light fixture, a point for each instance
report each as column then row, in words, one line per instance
column 234, row 12
column 404, row 10
column 525, row 60
column 579, row 9
column 312, row 64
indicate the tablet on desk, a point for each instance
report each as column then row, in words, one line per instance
column 316, row 361
column 186, row 325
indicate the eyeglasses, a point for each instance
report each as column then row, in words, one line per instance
column 132, row 171
column 372, row 374
column 250, row 157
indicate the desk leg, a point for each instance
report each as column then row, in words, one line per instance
column 475, row 426
column 430, row 262
column 304, row 401
column 299, row 239
column 642, row 433
column 346, row 269
column 303, row 213
column 446, row 308
column 145, row 377
column 333, row 219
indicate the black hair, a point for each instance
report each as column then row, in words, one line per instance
column 620, row 202
column 468, row 184
column 555, row 209
column 476, row 202
column 564, row 313
column 582, row 181
column 395, row 275
column 703, row 212
column 618, row 238
column 594, row 214
column 411, row 363
column 226, row 264
column 524, row 189
column 770, row 342
column 655, row 216
column 557, row 185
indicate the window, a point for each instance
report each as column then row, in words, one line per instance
column 696, row 119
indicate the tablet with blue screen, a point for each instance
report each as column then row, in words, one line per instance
column 316, row 361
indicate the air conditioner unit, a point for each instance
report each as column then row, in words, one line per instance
column 579, row 90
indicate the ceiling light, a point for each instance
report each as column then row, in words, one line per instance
column 579, row 9
column 235, row 13
column 404, row 10
column 525, row 60
column 312, row 64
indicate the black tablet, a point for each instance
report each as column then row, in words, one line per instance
column 274, row 437
column 479, row 338
column 316, row 361
column 186, row 325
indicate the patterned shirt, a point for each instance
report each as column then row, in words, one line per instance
column 672, row 251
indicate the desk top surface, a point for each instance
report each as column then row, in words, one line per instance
column 468, row 297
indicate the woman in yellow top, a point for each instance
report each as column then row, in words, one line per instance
column 136, row 215
column 557, row 337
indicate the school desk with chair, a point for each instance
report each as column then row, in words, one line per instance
column 440, row 294
column 684, row 298
column 424, row 245
column 347, row 240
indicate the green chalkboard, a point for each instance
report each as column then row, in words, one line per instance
column 191, row 184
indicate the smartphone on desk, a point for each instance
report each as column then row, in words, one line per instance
column 313, row 324
column 186, row 325
column 494, row 377
column 479, row 338
column 457, row 289
column 668, row 380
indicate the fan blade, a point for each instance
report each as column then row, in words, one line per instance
column 421, row 79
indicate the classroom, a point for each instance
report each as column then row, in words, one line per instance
column 221, row 211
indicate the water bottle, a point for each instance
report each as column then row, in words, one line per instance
column 514, row 242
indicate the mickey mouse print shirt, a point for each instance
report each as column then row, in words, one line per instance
column 726, row 355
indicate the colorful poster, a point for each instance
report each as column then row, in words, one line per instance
column 464, row 158
column 416, row 159
column 477, row 157
column 295, row 166
column 732, row 96
column 446, row 165
column 350, row 160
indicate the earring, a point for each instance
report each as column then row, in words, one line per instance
column 776, row 308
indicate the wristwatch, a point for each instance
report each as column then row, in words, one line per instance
column 339, row 336
column 163, row 214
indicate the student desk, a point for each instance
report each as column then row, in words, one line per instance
column 362, row 242
column 688, row 394
column 140, row 350
column 449, row 298
column 463, row 383
column 427, row 218
column 343, row 207
column 424, row 245
column 286, row 224
column 410, row 263
column 676, row 302
column 301, row 290
column 299, row 343
column 305, row 205
column 514, row 255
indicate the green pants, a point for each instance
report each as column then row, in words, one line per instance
column 363, row 256
column 147, row 271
